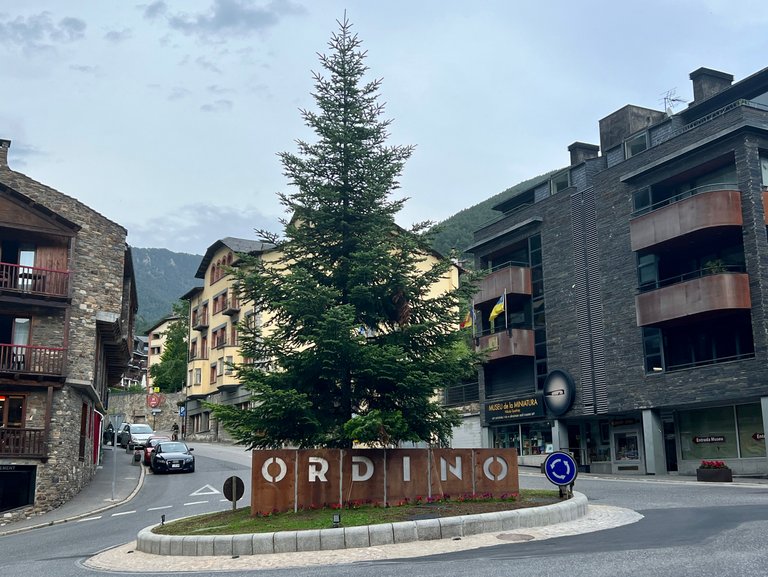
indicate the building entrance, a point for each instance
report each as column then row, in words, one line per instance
column 17, row 486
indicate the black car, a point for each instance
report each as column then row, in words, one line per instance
column 172, row 456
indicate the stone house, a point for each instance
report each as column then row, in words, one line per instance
column 67, row 304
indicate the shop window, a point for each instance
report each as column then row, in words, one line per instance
column 751, row 430
column 626, row 446
column 708, row 433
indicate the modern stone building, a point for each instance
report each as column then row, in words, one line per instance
column 634, row 286
column 67, row 303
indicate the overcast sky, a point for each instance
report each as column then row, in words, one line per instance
column 166, row 116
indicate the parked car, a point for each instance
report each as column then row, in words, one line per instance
column 172, row 456
column 149, row 447
column 134, row 435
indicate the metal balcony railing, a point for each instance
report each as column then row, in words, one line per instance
column 22, row 442
column 33, row 360
column 34, row 280
column 461, row 394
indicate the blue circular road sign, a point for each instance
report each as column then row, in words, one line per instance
column 560, row 469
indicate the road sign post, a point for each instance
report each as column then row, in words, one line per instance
column 234, row 488
column 561, row 470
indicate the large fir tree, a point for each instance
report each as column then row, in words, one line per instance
column 351, row 344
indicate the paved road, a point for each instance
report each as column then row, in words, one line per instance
column 689, row 528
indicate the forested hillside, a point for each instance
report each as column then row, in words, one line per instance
column 456, row 232
column 162, row 277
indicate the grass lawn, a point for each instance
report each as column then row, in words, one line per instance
column 240, row 521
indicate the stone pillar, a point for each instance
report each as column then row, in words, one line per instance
column 559, row 435
column 653, row 443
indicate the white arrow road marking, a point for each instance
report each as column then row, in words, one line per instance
column 206, row 490
column 195, row 503
column 158, row 508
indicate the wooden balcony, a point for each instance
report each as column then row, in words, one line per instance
column 22, row 443
column 509, row 343
column 230, row 307
column 34, row 281
column 698, row 296
column 704, row 210
column 513, row 279
column 32, row 360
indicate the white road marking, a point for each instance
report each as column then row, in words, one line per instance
column 205, row 490
column 89, row 519
column 158, row 508
column 123, row 513
column 195, row 503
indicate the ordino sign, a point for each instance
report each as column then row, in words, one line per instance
column 284, row 480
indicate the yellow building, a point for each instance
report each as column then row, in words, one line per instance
column 213, row 338
column 213, row 341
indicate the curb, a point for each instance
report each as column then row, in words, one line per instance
column 365, row 536
column 81, row 515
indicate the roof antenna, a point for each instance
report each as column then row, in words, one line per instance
column 671, row 100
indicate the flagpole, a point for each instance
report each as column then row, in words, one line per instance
column 506, row 317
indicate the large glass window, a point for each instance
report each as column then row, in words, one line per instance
column 751, row 430
column 626, row 446
column 708, row 433
column 636, row 144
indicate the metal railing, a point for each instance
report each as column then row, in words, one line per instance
column 32, row 359
column 712, row 361
column 22, row 442
column 683, row 195
column 461, row 394
column 509, row 264
column 34, row 280
column 691, row 275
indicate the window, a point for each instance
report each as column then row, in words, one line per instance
column 654, row 360
column 636, row 144
column 193, row 350
column 212, row 373
column 559, row 182
column 12, row 411
column 708, row 433
column 189, row 378
column 198, row 376
column 156, row 336
column 626, row 446
column 228, row 366
column 647, row 272
column 220, row 368
column 155, row 350
column 749, row 419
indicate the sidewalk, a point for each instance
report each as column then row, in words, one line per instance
column 117, row 480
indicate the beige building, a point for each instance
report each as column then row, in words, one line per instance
column 213, row 338
column 156, row 337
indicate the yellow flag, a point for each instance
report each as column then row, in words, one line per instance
column 498, row 308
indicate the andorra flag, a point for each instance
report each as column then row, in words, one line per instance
column 469, row 320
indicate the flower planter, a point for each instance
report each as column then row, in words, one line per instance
column 714, row 475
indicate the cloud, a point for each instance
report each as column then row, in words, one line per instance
column 221, row 105
column 18, row 154
column 192, row 228
column 85, row 69
column 117, row 36
column 216, row 89
column 39, row 33
column 206, row 64
column 154, row 10
column 226, row 18
column 178, row 92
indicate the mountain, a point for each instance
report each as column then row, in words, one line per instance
column 162, row 277
column 456, row 232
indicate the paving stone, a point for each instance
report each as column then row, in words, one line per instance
column 356, row 537
column 381, row 534
column 308, row 540
column 263, row 543
column 285, row 542
column 331, row 539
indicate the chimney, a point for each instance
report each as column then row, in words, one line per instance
column 581, row 151
column 4, row 146
column 708, row 82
